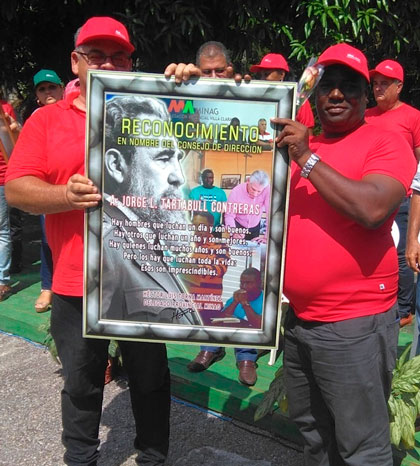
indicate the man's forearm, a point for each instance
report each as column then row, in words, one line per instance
column 253, row 318
column 412, row 249
column 369, row 201
column 229, row 310
column 36, row 196
column 415, row 184
column 413, row 229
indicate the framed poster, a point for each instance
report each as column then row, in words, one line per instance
column 169, row 255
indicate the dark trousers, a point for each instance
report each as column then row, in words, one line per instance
column 406, row 291
column 84, row 361
column 338, row 379
column 46, row 258
column 16, row 232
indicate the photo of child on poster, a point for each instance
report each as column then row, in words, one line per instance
column 174, row 263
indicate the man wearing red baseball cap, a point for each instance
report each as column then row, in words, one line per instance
column 274, row 67
column 47, row 175
column 341, row 271
column 391, row 113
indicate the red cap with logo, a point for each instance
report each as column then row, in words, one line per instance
column 271, row 61
column 344, row 54
column 390, row 69
column 104, row 27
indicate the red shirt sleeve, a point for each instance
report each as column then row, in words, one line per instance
column 7, row 108
column 305, row 115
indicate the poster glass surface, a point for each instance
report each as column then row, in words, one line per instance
column 188, row 243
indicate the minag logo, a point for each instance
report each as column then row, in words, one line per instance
column 181, row 106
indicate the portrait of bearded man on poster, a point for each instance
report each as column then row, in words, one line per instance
column 141, row 172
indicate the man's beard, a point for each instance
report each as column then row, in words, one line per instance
column 159, row 215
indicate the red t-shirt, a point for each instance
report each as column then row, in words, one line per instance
column 7, row 108
column 335, row 268
column 305, row 115
column 404, row 119
column 51, row 147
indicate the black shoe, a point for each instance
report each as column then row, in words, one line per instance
column 15, row 268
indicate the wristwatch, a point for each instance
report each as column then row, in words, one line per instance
column 309, row 165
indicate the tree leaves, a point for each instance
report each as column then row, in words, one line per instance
column 39, row 33
column 404, row 402
column 276, row 394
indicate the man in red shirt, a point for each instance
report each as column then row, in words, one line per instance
column 341, row 269
column 46, row 175
column 394, row 115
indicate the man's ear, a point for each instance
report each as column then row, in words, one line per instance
column 75, row 63
column 367, row 92
column 115, row 165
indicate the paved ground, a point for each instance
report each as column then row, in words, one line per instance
column 30, row 424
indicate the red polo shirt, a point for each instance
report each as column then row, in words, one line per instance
column 335, row 268
column 305, row 115
column 51, row 147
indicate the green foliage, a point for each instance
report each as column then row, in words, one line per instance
column 114, row 352
column 39, row 33
column 113, row 348
column 167, row 26
column 404, row 402
column 275, row 395
column 340, row 20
